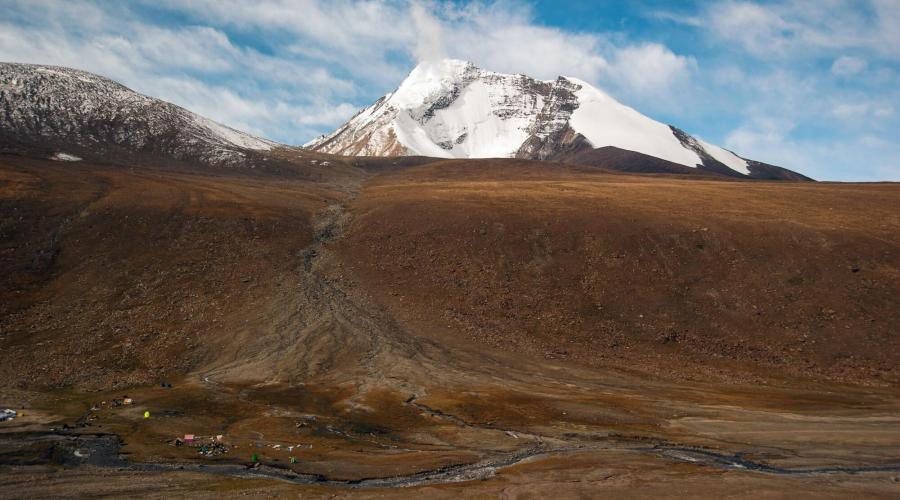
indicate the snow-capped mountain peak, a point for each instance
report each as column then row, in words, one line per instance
column 430, row 79
column 453, row 109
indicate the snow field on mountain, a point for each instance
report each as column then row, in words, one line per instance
column 473, row 117
column 606, row 122
column 728, row 158
column 232, row 136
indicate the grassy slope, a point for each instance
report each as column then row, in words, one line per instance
column 117, row 276
column 686, row 277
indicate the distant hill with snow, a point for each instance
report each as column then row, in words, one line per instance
column 67, row 114
column 453, row 109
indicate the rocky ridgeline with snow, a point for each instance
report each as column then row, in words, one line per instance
column 67, row 114
column 444, row 109
column 453, row 109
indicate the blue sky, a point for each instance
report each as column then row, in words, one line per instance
column 813, row 85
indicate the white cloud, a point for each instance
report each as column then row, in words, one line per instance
column 650, row 68
column 359, row 37
column 429, row 44
column 687, row 20
column 848, row 66
column 863, row 110
column 763, row 134
column 532, row 50
column 799, row 27
column 759, row 29
column 848, row 111
column 884, row 111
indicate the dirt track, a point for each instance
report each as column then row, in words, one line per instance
column 332, row 318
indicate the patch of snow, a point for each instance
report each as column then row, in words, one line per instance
column 232, row 136
column 67, row 74
column 64, row 157
column 728, row 158
column 606, row 122
column 411, row 134
column 473, row 117
column 312, row 142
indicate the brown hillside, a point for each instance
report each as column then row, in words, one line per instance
column 112, row 276
column 466, row 328
column 659, row 273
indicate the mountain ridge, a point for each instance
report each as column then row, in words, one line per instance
column 444, row 109
column 453, row 109
column 53, row 110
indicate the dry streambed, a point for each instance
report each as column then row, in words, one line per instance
column 103, row 450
